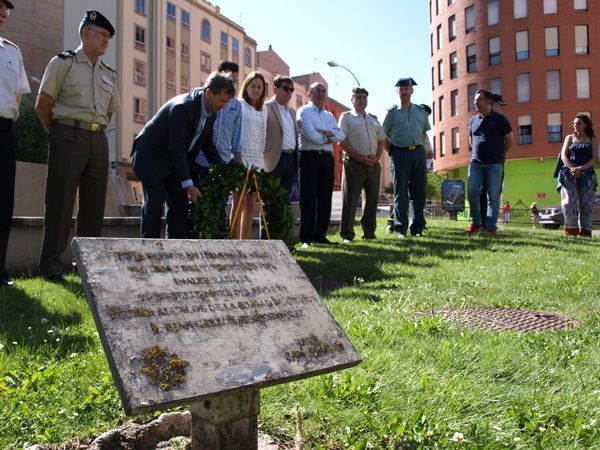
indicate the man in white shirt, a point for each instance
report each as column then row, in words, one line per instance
column 318, row 132
column 13, row 83
column 281, row 147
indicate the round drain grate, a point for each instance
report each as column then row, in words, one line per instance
column 506, row 319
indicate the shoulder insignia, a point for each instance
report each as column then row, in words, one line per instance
column 372, row 115
column 66, row 54
column 344, row 113
column 393, row 108
column 6, row 41
column 108, row 67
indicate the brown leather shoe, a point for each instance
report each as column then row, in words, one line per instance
column 472, row 228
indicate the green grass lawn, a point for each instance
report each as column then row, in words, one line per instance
column 423, row 383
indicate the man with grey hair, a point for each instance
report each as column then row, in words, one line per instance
column 318, row 131
column 165, row 150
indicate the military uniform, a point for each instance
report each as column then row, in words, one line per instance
column 84, row 97
column 13, row 82
column 406, row 129
column 363, row 133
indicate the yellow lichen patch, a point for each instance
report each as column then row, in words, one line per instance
column 165, row 370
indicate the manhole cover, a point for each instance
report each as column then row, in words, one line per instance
column 506, row 319
column 324, row 285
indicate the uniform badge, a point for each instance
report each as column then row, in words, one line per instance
column 93, row 15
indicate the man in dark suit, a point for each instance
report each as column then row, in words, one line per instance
column 165, row 150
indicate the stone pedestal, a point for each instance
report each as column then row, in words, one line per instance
column 226, row 422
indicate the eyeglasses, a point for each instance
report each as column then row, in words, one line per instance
column 104, row 33
column 5, row 9
column 287, row 88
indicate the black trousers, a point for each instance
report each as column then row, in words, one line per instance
column 7, row 187
column 170, row 191
column 316, row 187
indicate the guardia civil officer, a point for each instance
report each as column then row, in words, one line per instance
column 13, row 83
column 77, row 98
column 406, row 126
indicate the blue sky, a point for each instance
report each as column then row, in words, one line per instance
column 379, row 41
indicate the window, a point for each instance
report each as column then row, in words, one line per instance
column 185, row 18
column 454, row 102
column 171, row 12
column 550, row 6
column 139, row 110
column 140, row 7
column 140, row 38
column 433, row 112
column 469, row 19
column 453, row 65
column 583, row 83
column 434, row 147
column 205, row 30
column 442, row 144
column 471, row 90
column 224, row 40
column 205, row 62
column 496, row 86
column 494, row 45
column 553, row 85
column 523, row 88
column 522, row 45
column 431, row 43
column 554, row 127
column 439, row 36
column 441, row 108
column 185, row 51
column 432, row 78
column 525, row 135
column 451, row 2
column 520, row 9
column 437, row 7
column 551, row 37
column 440, row 72
column 170, row 45
column 471, row 58
column 235, row 46
column 139, row 72
column 581, row 39
column 455, row 141
column 493, row 12
column 248, row 56
column 170, row 79
column 185, row 84
column 580, row 5
column 452, row 28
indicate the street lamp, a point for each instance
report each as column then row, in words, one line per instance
column 334, row 64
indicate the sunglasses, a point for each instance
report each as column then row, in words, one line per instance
column 287, row 88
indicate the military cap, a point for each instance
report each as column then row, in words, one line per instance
column 95, row 18
column 406, row 82
column 498, row 99
column 426, row 108
column 9, row 5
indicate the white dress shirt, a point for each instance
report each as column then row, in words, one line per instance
column 13, row 79
column 311, row 119
column 253, row 135
column 288, row 127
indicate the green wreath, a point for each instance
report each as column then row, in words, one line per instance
column 210, row 219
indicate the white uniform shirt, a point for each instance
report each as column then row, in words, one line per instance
column 253, row 135
column 13, row 79
column 288, row 127
column 311, row 119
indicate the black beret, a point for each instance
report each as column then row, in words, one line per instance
column 406, row 82
column 95, row 18
column 9, row 5
column 426, row 108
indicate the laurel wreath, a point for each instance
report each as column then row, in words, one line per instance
column 210, row 219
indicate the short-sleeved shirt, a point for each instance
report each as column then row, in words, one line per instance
column 363, row 132
column 13, row 79
column 226, row 132
column 406, row 127
column 80, row 90
column 487, row 137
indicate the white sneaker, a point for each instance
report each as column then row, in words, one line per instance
column 305, row 245
column 401, row 236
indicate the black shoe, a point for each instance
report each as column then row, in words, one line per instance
column 369, row 237
column 323, row 240
column 55, row 277
column 6, row 282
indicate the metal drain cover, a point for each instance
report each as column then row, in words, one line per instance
column 506, row 319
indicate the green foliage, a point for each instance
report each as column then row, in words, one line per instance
column 31, row 138
column 433, row 190
column 209, row 213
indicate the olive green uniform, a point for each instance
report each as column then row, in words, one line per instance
column 84, row 97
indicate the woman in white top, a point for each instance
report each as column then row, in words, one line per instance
column 252, row 141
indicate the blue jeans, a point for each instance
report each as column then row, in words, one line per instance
column 491, row 174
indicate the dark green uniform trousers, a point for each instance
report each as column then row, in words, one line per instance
column 76, row 159
column 410, row 176
column 357, row 176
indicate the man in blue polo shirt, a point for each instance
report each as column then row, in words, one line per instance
column 490, row 138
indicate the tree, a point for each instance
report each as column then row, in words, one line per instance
column 31, row 138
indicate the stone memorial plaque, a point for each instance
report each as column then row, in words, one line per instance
column 181, row 320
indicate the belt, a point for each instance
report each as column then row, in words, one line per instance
column 289, row 151
column 5, row 124
column 93, row 127
column 317, row 152
column 410, row 147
